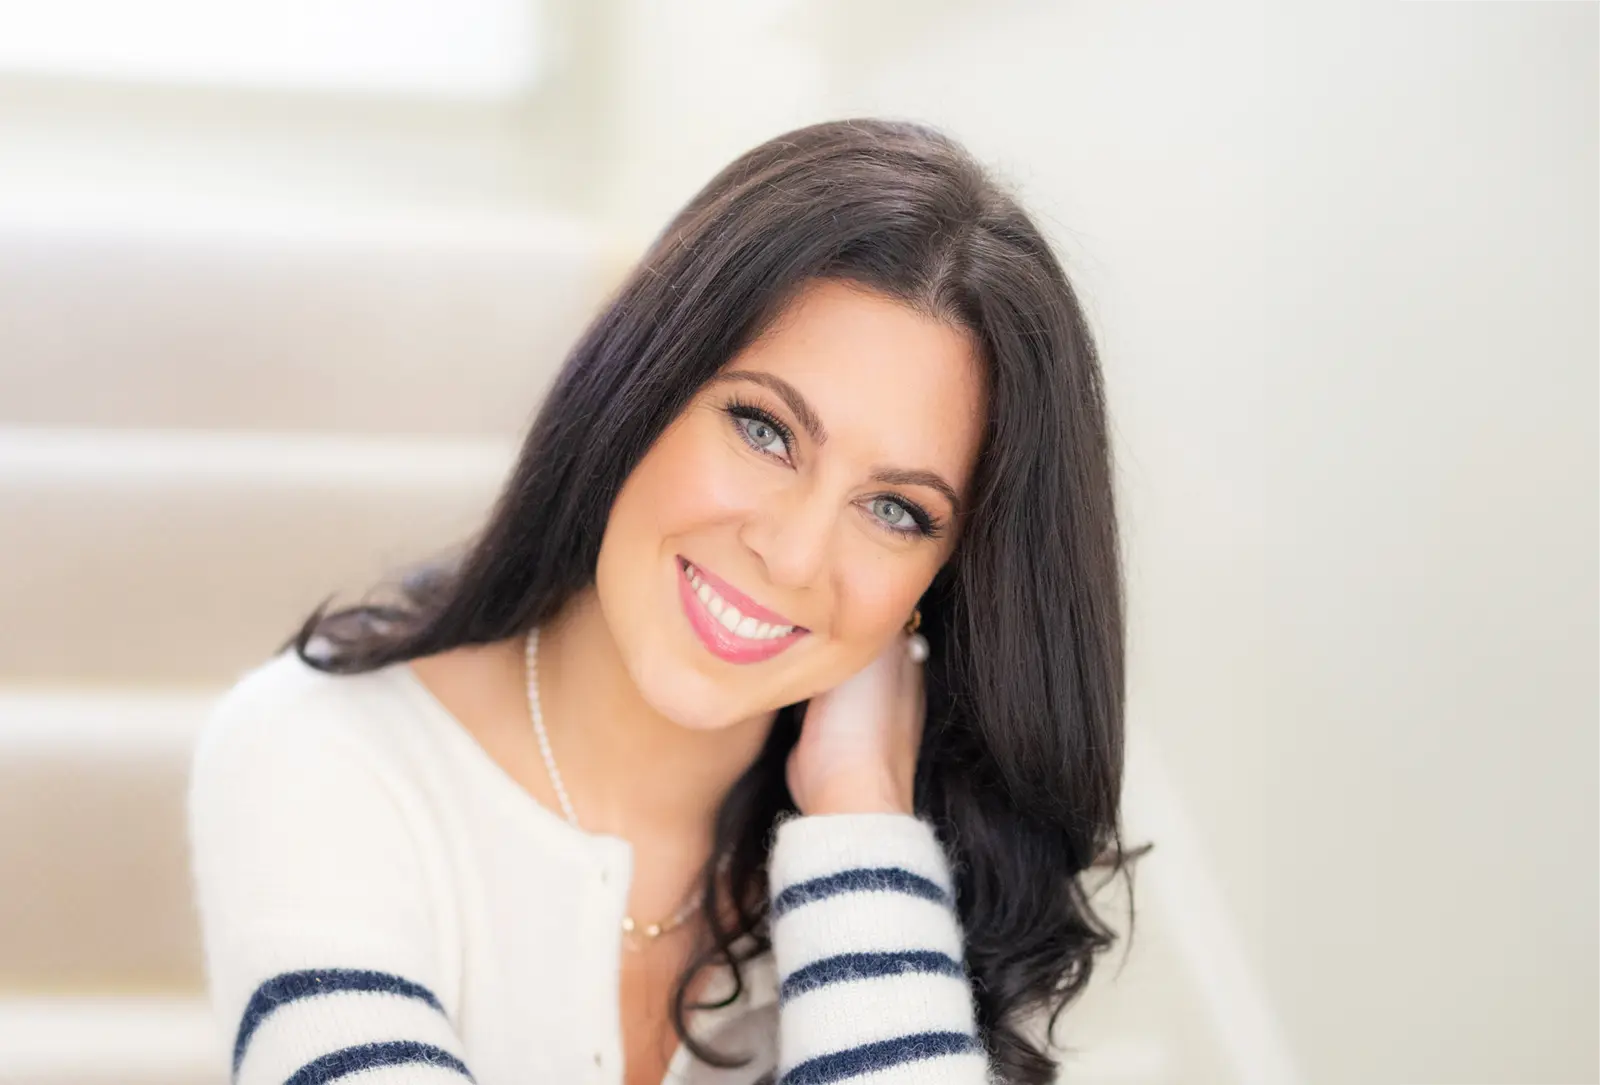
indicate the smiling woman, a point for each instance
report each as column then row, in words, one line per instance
column 660, row 779
column 813, row 483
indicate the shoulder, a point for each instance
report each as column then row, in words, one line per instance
column 286, row 711
column 311, row 846
column 287, row 683
column 293, row 773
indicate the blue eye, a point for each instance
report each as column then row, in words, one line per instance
column 903, row 517
column 893, row 513
column 761, row 435
column 760, row 429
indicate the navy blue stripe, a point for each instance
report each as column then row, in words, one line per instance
column 353, row 1060
column 293, row 986
column 884, row 879
column 855, row 966
column 879, row 1056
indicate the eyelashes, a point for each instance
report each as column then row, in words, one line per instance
column 749, row 412
column 741, row 412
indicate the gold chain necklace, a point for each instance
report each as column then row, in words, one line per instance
column 631, row 930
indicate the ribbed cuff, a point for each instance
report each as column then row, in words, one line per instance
column 819, row 845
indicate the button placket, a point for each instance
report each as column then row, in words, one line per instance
column 611, row 881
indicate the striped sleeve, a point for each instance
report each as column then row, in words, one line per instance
column 314, row 907
column 872, row 988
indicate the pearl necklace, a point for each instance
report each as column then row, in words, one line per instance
column 630, row 928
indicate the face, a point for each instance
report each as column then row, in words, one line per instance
column 815, row 483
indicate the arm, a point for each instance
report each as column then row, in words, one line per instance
column 314, row 908
column 869, row 955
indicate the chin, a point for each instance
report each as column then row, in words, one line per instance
column 686, row 696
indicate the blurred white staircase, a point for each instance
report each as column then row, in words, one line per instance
column 207, row 425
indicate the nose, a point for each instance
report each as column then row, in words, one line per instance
column 792, row 536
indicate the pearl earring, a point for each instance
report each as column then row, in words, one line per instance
column 917, row 644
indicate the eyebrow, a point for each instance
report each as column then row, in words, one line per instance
column 891, row 476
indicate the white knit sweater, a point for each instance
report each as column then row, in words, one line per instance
column 377, row 896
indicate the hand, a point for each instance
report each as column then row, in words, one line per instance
column 857, row 752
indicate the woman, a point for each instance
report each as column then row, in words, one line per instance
column 767, row 726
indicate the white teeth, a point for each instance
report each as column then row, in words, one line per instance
column 727, row 614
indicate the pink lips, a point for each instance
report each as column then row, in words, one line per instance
column 715, row 636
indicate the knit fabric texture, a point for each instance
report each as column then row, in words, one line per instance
column 380, row 901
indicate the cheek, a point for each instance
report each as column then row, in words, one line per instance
column 689, row 479
column 875, row 599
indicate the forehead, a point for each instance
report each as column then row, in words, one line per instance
column 890, row 383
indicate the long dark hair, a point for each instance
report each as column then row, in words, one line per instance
column 1021, row 765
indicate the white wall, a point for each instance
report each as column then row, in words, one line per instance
column 1431, row 491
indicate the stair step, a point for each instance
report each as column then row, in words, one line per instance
column 110, row 1040
column 92, row 829
column 182, row 558
column 249, row 318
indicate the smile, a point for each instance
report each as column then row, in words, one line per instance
column 729, row 623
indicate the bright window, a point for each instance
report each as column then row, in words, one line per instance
column 454, row 48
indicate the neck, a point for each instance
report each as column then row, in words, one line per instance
column 630, row 771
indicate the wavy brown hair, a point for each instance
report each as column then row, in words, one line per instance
column 1021, row 765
